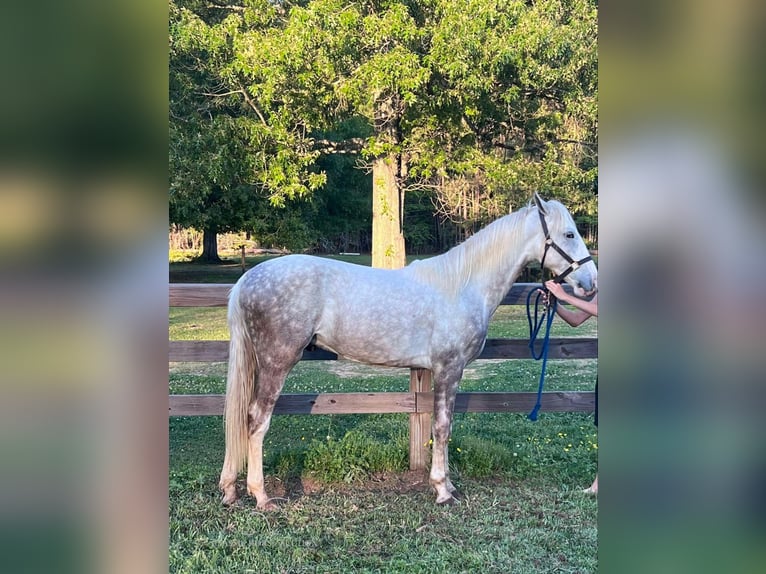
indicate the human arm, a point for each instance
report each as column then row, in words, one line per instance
column 584, row 309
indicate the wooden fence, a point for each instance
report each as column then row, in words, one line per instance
column 418, row 402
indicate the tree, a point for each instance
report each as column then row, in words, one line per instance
column 224, row 159
column 208, row 188
column 477, row 102
column 330, row 61
column 512, row 108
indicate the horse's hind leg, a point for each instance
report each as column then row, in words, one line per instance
column 228, row 481
column 269, row 386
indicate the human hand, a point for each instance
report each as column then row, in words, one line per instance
column 545, row 295
column 555, row 289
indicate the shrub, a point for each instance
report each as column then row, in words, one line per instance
column 354, row 457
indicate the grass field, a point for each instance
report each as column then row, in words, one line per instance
column 349, row 502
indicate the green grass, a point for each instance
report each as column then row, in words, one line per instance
column 349, row 502
column 521, row 509
column 350, row 505
column 499, row 527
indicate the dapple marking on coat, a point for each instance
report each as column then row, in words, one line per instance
column 432, row 314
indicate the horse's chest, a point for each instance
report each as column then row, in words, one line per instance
column 462, row 335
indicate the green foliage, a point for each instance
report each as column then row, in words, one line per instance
column 516, row 108
column 181, row 255
column 288, row 463
column 355, row 457
column 226, row 160
column 481, row 102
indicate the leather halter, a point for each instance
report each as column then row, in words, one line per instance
column 573, row 265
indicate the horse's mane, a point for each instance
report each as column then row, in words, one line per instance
column 484, row 252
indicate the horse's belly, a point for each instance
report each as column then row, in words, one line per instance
column 388, row 320
column 376, row 351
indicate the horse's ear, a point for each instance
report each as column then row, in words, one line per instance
column 539, row 204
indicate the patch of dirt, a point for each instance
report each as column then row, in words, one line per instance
column 403, row 482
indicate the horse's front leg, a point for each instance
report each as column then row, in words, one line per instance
column 445, row 389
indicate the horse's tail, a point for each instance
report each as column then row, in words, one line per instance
column 240, row 384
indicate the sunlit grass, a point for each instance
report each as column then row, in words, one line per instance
column 344, row 510
column 350, row 504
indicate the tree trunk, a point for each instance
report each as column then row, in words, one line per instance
column 387, row 197
column 387, row 234
column 210, row 246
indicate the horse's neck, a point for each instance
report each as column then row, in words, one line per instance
column 488, row 263
column 497, row 290
column 494, row 280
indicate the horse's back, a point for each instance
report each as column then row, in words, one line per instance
column 304, row 283
column 367, row 314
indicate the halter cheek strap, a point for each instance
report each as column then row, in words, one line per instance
column 573, row 265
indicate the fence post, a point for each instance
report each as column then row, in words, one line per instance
column 242, row 254
column 420, row 422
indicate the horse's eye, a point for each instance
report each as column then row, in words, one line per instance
column 570, row 235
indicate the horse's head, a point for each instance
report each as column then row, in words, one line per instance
column 561, row 249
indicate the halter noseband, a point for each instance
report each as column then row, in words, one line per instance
column 573, row 265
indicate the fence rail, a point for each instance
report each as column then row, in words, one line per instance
column 418, row 401
column 564, row 348
column 390, row 402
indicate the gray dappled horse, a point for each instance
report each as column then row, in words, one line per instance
column 432, row 314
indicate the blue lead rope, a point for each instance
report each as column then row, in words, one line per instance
column 534, row 330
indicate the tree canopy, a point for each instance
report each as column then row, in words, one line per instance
column 473, row 104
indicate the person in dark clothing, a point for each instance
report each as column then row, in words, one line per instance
column 583, row 310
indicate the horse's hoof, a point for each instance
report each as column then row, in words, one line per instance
column 451, row 501
column 267, row 506
column 229, row 498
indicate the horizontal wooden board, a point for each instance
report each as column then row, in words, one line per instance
column 199, row 294
column 553, row 401
column 306, row 403
column 408, row 402
column 198, row 351
column 344, row 403
column 217, row 294
column 563, row 348
column 558, row 348
column 218, row 351
column 195, row 405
